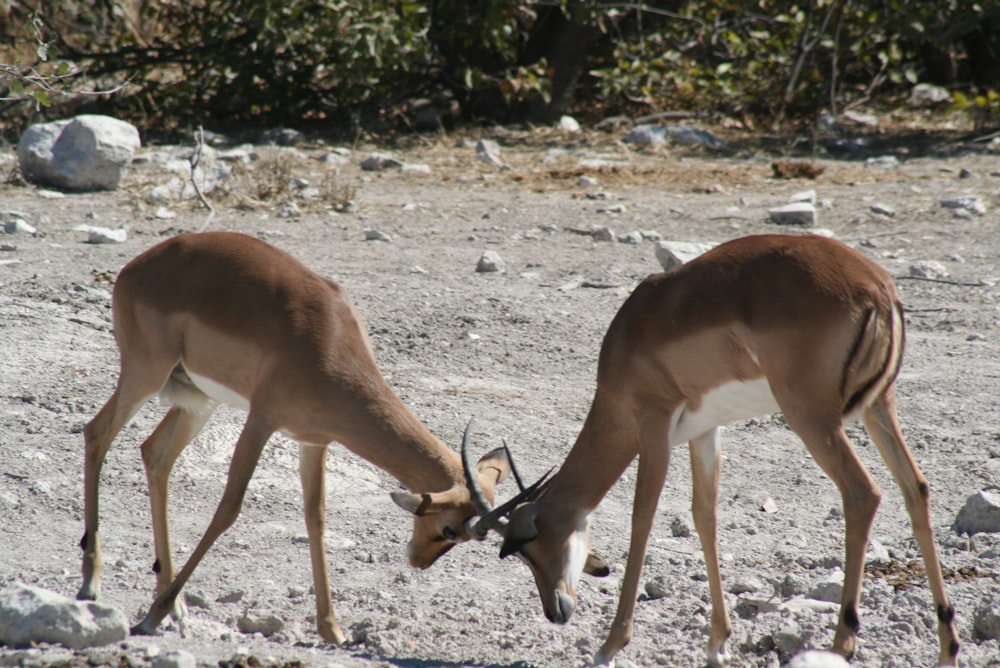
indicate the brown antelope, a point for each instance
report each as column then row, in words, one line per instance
column 802, row 325
column 203, row 319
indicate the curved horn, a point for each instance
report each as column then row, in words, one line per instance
column 513, row 469
column 496, row 516
column 476, row 494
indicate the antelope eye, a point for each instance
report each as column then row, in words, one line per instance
column 449, row 533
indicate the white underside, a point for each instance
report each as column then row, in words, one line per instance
column 578, row 551
column 722, row 405
column 218, row 392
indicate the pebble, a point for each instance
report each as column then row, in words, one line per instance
column 490, row 261
column 971, row 203
column 796, row 213
column 372, row 234
column 980, row 514
column 18, row 226
column 488, row 151
column 928, row 269
column 672, row 254
column 818, row 659
column 377, row 162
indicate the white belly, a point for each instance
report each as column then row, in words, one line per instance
column 218, row 392
column 724, row 404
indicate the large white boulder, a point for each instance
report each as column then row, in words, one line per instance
column 89, row 152
column 30, row 615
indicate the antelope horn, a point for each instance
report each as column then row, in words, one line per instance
column 476, row 494
column 513, row 469
column 496, row 516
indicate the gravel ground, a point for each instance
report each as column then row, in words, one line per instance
column 517, row 349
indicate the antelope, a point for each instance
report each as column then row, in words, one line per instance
column 204, row 319
column 803, row 325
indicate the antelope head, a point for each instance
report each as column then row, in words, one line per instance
column 553, row 540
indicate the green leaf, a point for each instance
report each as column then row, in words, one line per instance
column 43, row 99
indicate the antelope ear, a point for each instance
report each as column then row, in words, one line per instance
column 521, row 529
column 493, row 468
column 596, row 567
column 425, row 504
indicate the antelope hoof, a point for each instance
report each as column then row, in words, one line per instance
column 144, row 628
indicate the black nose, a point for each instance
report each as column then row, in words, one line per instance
column 563, row 609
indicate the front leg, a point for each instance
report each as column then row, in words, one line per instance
column 654, row 458
column 706, row 460
column 312, row 471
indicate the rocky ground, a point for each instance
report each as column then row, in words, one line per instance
column 517, row 349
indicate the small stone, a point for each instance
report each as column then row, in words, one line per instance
column 568, row 124
column 884, row 162
column 928, row 269
column 788, row 638
column 163, row 213
column 980, row 514
column 632, row 238
column 672, row 254
column 377, row 162
column 231, row 597
column 174, row 659
column 603, row 234
column 986, row 621
column 586, row 181
column 372, row 234
column 646, row 136
column 614, row 209
column 655, row 588
column 883, row 209
column 971, row 203
column 264, row 622
column 490, row 261
column 18, row 226
column 488, row 151
column 679, row 527
column 103, row 235
column 804, row 196
column 796, row 213
column 830, row 588
column 769, row 506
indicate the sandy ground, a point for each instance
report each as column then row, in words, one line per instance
column 517, row 350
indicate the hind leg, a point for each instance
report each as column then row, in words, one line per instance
column 883, row 426
column 159, row 453
column 98, row 434
column 832, row 450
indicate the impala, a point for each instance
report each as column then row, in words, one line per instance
column 802, row 325
column 203, row 319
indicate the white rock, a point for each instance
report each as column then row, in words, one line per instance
column 103, row 235
column 418, row 168
column 796, row 605
column 645, row 136
column 972, row 203
column 603, row 234
column 264, row 622
column 89, row 152
column 980, row 514
column 884, row 162
column 633, row 238
column 675, row 253
column 818, row 659
column 490, row 261
column 923, row 95
column 174, row 659
column 796, row 213
column 34, row 615
column 488, row 151
column 679, row 527
column 18, row 226
column 804, row 196
column 883, row 209
column 928, row 269
column 788, row 638
column 986, row 621
column 613, row 209
column 569, row 124
column 377, row 162
column 586, row 181
column 372, row 234
column 830, row 588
